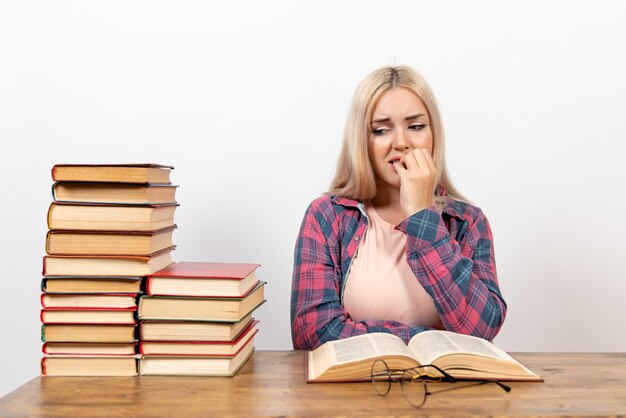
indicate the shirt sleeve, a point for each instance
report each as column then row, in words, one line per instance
column 317, row 315
column 459, row 275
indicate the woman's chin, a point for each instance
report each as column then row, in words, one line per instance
column 392, row 183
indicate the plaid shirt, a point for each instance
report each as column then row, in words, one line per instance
column 451, row 254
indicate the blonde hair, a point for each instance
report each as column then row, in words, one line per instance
column 354, row 177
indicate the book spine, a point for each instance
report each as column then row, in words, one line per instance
column 148, row 291
column 54, row 192
column 43, row 366
column 43, row 266
column 50, row 209
column 43, row 333
column 48, row 242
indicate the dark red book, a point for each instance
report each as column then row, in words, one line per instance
column 203, row 279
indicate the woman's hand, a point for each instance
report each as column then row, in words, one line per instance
column 417, row 180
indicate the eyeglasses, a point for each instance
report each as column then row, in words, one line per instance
column 413, row 381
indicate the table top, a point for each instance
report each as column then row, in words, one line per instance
column 272, row 383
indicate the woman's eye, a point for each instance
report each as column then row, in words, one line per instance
column 379, row 131
column 417, row 126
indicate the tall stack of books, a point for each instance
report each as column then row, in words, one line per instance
column 109, row 226
column 196, row 318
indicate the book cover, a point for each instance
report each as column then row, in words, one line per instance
column 195, row 269
column 110, row 217
column 114, row 193
column 87, row 349
column 226, row 309
column 91, row 284
column 200, row 348
column 62, row 365
column 177, row 330
column 88, row 333
column 89, row 316
column 124, row 173
column 203, row 279
column 94, row 242
column 79, row 300
column 195, row 365
column 91, row 265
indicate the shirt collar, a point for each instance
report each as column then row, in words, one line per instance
column 449, row 208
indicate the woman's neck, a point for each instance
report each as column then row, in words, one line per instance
column 387, row 204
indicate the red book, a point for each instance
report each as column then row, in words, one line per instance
column 203, row 279
column 199, row 348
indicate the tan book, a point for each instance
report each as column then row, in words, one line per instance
column 203, row 279
column 199, row 348
column 88, row 316
column 91, row 349
column 141, row 194
column 65, row 265
column 152, row 330
column 196, row 366
column 462, row 356
column 123, row 173
column 88, row 333
column 201, row 309
column 58, row 365
column 141, row 243
column 96, row 217
column 70, row 300
column 93, row 284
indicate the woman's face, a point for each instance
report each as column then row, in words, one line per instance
column 399, row 124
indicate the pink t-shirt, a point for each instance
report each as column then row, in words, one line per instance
column 381, row 285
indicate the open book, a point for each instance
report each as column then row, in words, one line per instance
column 462, row 356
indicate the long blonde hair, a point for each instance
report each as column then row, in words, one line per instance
column 354, row 177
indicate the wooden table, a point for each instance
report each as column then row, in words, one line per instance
column 272, row 384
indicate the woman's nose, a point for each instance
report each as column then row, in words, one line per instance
column 400, row 140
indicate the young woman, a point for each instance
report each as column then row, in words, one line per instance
column 393, row 246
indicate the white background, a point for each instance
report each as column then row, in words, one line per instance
column 248, row 100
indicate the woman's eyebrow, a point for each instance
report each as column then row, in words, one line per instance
column 417, row 116
column 412, row 117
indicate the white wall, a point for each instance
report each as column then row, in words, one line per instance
column 248, row 99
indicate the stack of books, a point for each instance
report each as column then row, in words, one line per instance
column 196, row 318
column 109, row 226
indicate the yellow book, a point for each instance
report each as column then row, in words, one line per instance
column 123, row 173
column 100, row 217
column 141, row 243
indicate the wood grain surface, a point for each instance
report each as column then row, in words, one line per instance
column 272, row 383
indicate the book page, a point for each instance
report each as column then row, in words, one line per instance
column 430, row 345
column 368, row 346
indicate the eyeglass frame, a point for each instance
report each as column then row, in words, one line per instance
column 405, row 375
